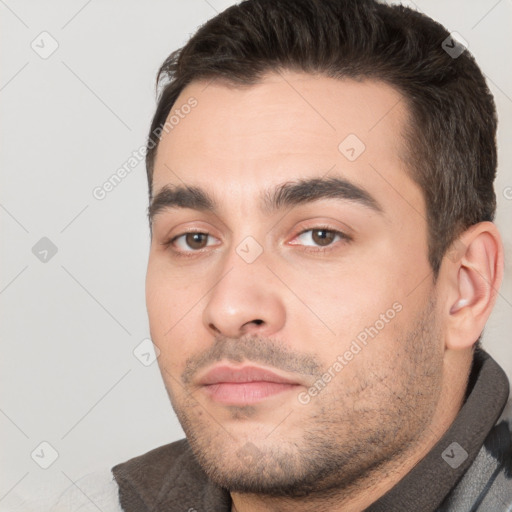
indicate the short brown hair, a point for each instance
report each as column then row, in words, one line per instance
column 451, row 139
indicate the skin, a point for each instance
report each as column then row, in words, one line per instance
column 295, row 311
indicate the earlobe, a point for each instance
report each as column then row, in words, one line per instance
column 478, row 273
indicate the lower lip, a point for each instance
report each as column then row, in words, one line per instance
column 236, row 393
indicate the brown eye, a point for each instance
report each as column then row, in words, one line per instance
column 322, row 237
column 196, row 240
column 191, row 242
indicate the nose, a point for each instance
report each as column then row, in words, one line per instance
column 246, row 298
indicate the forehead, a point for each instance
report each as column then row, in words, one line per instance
column 288, row 125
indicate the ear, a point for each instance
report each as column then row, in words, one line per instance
column 473, row 273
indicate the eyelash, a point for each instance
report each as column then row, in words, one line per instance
column 189, row 254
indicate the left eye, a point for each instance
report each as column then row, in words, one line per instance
column 323, row 237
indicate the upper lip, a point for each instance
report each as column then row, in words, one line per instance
column 226, row 373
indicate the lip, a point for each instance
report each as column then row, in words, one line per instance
column 241, row 386
column 225, row 373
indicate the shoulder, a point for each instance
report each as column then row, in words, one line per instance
column 497, row 456
column 94, row 491
column 155, row 463
column 167, row 478
column 506, row 415
column 487, row 484
column 137, row 483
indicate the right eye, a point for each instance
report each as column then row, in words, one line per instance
column 194, row 240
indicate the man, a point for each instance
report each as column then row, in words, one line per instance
column 323, row 263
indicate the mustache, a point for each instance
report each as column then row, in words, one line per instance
column 253, row 349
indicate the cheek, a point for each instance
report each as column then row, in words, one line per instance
column 165, row 308
column 166, row 297
column 365, row 302
column 159, row 303
column 174, row 315
column 346, row 298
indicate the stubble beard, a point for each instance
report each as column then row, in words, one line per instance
column 336, row 444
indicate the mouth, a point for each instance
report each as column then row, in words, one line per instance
column 229, row 385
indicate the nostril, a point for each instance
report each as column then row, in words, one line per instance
column 247, row 325
column 211, row 326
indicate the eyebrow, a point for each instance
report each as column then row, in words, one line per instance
column 278, row 198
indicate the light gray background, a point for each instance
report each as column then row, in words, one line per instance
column 69, row 326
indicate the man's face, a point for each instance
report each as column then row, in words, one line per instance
column 298, row 336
